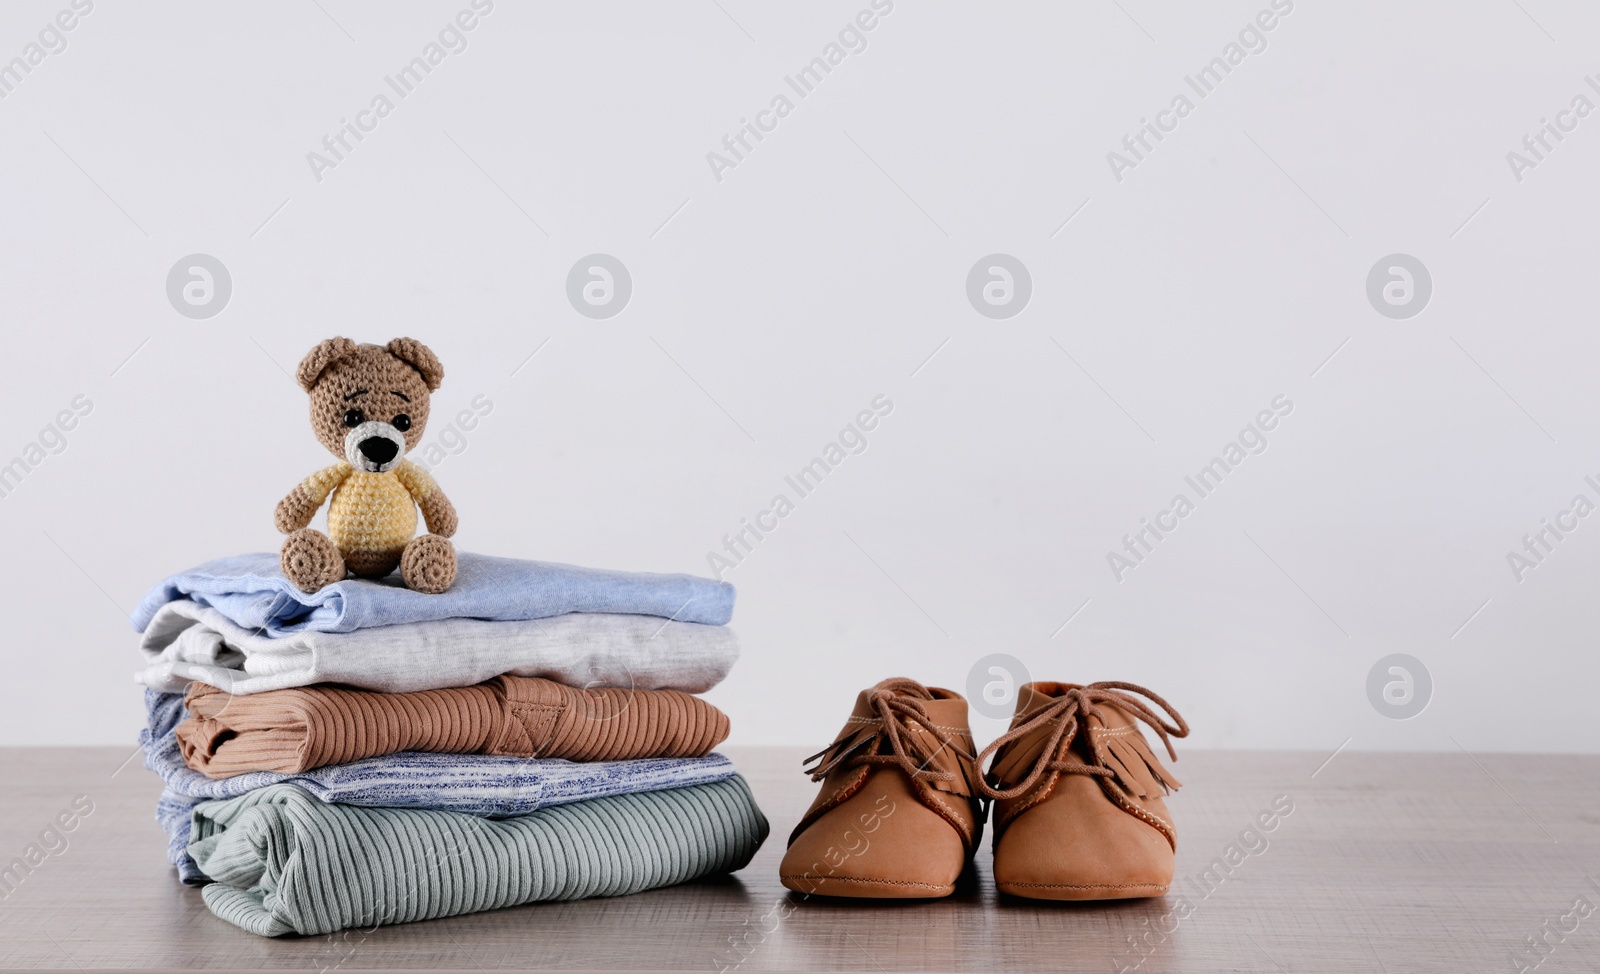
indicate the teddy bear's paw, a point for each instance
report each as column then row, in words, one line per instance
column 428, row 564
column 310, row 560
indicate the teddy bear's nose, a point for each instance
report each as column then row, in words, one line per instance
column 378, row 449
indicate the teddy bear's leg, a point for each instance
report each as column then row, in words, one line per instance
column 310, row 560
column 428, row 564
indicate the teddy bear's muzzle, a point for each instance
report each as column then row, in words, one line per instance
column 374, row 447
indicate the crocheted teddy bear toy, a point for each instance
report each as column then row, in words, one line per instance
column 369, row 406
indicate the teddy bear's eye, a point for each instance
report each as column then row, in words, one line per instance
column 402, row 422
column 354, row 418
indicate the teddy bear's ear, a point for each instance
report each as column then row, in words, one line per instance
column 419, row 357
column 318, row 359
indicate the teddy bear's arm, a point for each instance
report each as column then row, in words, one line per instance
column 296, row 510
column 437, row 511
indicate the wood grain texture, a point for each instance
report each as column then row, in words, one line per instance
column 1388, row 863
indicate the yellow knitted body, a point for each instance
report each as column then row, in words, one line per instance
column 372, row 514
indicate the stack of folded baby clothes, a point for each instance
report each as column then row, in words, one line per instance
column 367, row 754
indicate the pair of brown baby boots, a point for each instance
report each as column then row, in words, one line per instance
column 1076, row 790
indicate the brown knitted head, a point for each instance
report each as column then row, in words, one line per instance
column 369, row 403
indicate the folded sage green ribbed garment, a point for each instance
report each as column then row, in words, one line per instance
column 285, row 862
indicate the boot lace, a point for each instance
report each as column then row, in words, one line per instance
column 1064, row 712
column 900, row 707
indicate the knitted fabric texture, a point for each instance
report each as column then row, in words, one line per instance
column 286, row 863
column 369, row 406
column 339, row 367
column 375, row 512
column 493, row 787
column 296, row 730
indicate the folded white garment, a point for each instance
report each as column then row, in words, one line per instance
column 187, row 641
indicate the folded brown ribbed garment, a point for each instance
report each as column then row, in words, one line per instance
column 302, row 728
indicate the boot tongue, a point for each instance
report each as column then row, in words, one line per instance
column 863, row 706
column 895, row 687
column 1030, row 697
column 948, row 712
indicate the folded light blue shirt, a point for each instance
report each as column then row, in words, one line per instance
column 252, row 591
column 477, row 784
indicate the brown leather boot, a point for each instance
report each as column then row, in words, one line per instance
column 1078, row 813
column 898, row 815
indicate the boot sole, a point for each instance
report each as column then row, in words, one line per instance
column 874, row 889
column 1074, row 891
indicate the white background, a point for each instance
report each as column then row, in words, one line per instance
column 821, row 272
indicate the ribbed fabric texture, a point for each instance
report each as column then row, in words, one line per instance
column 295, row 730
column 285, row 862
column 474, row 784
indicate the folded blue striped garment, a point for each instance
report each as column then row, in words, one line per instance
column 481, row 785
column 252, row 591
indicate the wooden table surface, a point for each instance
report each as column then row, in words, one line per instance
column 1388, row 863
